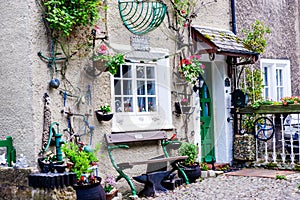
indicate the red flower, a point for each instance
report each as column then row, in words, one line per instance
column 187, row 62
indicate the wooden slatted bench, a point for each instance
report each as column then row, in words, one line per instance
column 121, row 140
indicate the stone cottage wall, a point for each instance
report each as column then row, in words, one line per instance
column 282, row 16
column 25, row 77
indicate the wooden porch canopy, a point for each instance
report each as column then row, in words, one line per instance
column 217, row 41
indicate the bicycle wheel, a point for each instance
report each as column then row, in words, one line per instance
column 264, row 128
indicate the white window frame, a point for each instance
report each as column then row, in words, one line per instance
column 161, row 119
column 134, row 94
column 273, row 65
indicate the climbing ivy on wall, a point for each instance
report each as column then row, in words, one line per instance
column 65, row 15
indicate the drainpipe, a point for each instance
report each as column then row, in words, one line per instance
column 233, row 23
column 233, row 64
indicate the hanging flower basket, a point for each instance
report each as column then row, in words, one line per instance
column 186, row 109
column 103, row 117
column 100, row 65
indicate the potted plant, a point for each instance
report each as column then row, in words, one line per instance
column 104, row 113
column 110, row 61
column 82, row 161
column 189, row 165
column 110, row 187
column 191, row 68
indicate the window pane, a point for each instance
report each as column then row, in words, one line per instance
column 141, row 87
column 151, row 87
column 267, row 93
column 266, row 82
column 142, row 104
column 127, row 87
column 127, row 71
column 152, row 104
column 117, row 84
column 128, row 104
column 150, row 72
column 118, row 104
column 140, row 72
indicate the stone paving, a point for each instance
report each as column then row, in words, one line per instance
column 226, row 187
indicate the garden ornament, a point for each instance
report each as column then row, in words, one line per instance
column 54, row 83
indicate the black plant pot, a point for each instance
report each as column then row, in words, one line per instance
column 90, row 192
column 103, row 117
column 192, row 172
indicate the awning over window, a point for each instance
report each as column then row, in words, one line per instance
column 218, row 41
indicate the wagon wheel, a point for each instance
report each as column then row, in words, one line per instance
column 264, row 128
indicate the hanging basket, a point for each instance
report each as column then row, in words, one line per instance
column 100, row 65
column 103, row 117
column 141, row 17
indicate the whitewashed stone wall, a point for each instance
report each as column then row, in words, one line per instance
column 25, row 76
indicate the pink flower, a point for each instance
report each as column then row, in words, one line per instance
column 202, row 66
column 102, row 49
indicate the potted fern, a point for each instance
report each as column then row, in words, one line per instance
column 189, row 165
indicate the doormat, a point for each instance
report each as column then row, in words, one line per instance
column 265, row 173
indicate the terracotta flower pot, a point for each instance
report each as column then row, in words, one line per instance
column 111, row 194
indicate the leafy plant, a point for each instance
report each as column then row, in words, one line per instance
column 65, row 15
column 204, row 166
column 183, row 8
column 271, row 165
column 253, row 84
column 109, row 183
column 113, row 62
column 255, row 39
column 190, row 150
column 191, row 68
column 281, row 177
column 81, row 160
column 105, row 109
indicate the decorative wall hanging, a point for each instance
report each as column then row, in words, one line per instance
column 141, row 17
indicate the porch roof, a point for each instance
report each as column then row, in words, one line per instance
column 220, row 41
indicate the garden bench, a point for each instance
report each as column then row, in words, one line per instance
column 10, row 150
column 121, row 140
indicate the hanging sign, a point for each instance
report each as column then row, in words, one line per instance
column 140, row 43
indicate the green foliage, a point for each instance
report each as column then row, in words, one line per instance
column 190, row 150
column 64, row 15
column 254, row 39
column 204, row 167
column 113, row 62
column 281, row 177
column 271, row 165
column 80, row 159
column 253, row 84
column 248, row 122
column 183, row 9
column 297, row 167
column 105, row 109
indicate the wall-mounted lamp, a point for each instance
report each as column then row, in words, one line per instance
column 199, row 84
